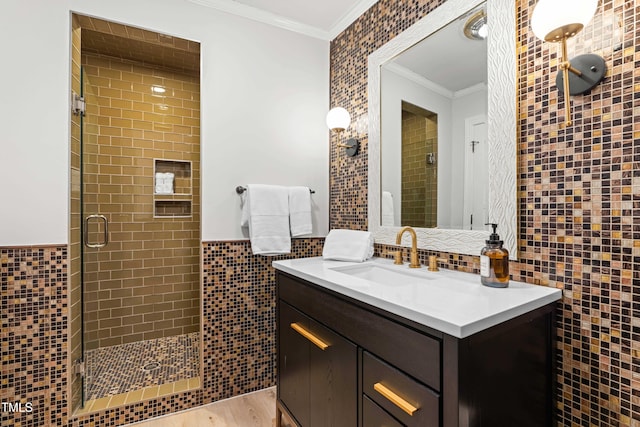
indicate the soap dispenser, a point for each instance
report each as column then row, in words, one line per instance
column 494, row 262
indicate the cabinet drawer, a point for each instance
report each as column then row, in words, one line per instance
column 420, row 354
column 403, row 397
column 375, row 416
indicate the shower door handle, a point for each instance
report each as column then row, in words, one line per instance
column 105, row 239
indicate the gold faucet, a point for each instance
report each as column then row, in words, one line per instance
column 414, row 245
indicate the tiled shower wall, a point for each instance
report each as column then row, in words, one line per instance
column 579, row 190
column 239, row 298
column 419, row 177
column 144, row 284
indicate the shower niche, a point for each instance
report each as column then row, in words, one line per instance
column 172, row 195
column 135, row 285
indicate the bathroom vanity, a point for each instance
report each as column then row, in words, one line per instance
column 373, row 344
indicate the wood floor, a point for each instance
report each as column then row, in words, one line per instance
column 256, row 409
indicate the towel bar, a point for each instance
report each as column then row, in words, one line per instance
column 240, row 189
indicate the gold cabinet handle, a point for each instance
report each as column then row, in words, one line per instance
column 308, row 335
column 395, row 399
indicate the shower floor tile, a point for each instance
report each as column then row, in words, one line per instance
column 122, row 368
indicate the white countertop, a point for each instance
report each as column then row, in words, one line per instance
column 452, row 302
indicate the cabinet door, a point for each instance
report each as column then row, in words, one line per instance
column 317, row 374
column 333, row 380
column 293, row 364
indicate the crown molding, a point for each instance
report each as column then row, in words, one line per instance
column 260, row 15
column 279, row 21
column 435, row 87
column 478, row 87
column 349, row 18
column 418, row 79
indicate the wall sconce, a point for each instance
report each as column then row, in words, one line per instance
column 338, row 120
column 556, row 21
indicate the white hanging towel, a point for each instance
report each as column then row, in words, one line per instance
column 300, row 211
column 348, row 245
column 266, row 212
column 388, row 217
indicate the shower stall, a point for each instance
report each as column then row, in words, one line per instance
column 135, row 240
column 419, row 166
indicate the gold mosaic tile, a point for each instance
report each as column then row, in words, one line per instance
column 120, row 369
column 578, row 190
column 239, row 295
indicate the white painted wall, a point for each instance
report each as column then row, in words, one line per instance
column 463, row 107
column 264, row 96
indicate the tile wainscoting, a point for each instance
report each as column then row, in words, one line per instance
column 238, row 327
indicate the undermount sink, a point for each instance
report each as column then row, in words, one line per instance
column 453, row 302
column 386, row 274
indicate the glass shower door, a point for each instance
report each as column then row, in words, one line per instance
column 141, row 246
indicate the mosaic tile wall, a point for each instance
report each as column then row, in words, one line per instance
column 34, row 334
column 579, row 190
column 238, row 320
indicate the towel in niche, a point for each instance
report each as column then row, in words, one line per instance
column 266, row 212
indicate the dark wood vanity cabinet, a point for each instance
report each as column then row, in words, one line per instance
column 379, row 369
column 316, row 371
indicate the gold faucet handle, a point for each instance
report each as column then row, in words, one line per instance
column 433, row 262
column 397, row 257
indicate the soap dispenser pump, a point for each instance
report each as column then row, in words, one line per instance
column 494, row 262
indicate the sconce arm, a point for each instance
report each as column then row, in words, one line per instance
column 566, row 65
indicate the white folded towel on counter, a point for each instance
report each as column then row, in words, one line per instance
column 300, row 211
column 266, row 212
column 348, row 245
column 388, row 217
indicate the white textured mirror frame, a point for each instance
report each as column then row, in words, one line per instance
column 501, row 128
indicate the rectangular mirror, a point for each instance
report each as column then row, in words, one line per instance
column 442, row 120
column 434, row 129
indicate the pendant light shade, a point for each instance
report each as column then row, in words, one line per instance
column 338, row 119
column 554, row 19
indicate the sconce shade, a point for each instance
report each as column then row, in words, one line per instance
column 553, row 20
column 338, row 119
